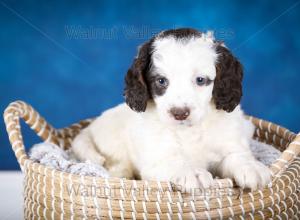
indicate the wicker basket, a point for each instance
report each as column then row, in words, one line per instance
column 51, row 194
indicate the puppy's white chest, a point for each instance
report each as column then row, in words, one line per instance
column 189, row 138
column 196, row 147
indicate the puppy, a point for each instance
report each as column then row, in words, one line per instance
column 182, row 122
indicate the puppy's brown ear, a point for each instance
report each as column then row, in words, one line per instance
column 136, row 91
column 227, row 91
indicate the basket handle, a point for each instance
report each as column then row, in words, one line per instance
column 12, row 114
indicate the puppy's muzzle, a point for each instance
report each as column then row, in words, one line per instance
column 180, row 113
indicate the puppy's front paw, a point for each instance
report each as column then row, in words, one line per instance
column 191, row 180
column 253, row 175
column 205, row 178
column 185, row 181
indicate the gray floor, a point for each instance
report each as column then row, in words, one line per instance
column 11, row 195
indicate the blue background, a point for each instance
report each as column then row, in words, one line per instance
column 47, row 59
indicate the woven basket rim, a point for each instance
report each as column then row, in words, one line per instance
column 280, row 199
column 20, row 109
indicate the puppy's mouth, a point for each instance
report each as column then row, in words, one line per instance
column 185, row 123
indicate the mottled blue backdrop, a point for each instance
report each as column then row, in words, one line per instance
column 68, row 59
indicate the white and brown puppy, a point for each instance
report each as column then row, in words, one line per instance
column 182, row 120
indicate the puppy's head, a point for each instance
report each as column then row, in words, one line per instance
column 184, row 72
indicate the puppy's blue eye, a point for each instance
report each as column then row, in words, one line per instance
column 201, row 81
column 162, row 81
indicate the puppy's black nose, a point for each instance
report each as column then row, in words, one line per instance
column 180, row 113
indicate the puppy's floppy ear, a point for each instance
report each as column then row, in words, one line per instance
column 227, row 91
column 136, row 91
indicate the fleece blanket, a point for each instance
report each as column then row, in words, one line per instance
column 53, row 156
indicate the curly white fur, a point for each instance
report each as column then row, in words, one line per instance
column 155, row 146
